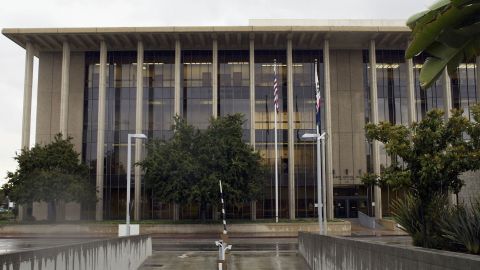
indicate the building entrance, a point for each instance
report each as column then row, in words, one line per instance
column 348, row 201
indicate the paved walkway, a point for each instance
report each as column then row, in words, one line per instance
column 248, row 254
column 236, row 260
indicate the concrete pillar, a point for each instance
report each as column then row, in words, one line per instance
column 447, row 94
column 102, row 89
column 65, row 90
column 412, row 108
column 215, row 78
column 177, row 108
column 27, row 96
column 252, row 92
column 478, row 74
column 138, row 130
column 253, row 205
column 291, row 138
column 374, row 113
column 178, row 83
column 328, row 127
column 27, row 109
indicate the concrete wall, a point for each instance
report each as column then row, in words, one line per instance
column 471, row 190
column 260, row 229
column 48, row 97
column 120, row 254
column 48, row 113
column 335, row 253
column 348, row 116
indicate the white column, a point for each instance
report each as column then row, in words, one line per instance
column 178, row 70
column 102, row 89
column 478, row 74
column 374, row 120
column 447, row 94
column 177, row 102
column 215, row 78
column 27, row 109
column 27, row 96
column 291, row 138
column 138, row 130
column 64, row 91
column 412, row 108
column 252, row 93
column 253, row 205
column 328, row 127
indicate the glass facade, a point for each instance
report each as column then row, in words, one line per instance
column 264, row 130
column 234, row 86
column 464, row 88
column 305, row 122
column 197, row 87
column 429, row 99
column 233, row 91
column 234, row 97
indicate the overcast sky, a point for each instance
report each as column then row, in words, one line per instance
column 90, row 13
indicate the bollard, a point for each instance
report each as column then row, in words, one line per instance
column 222, row 248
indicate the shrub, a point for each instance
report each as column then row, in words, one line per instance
column 421, row 219
column 462, row 226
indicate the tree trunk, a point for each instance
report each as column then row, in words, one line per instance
column 203, row 211
column 52, row 215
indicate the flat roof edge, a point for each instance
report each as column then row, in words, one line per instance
column 186, row 29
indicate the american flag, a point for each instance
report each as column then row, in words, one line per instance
column 275, row 87
column 318, row 96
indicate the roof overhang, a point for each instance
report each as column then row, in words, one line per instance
column 200, row 37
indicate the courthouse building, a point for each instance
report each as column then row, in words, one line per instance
column 100, row 84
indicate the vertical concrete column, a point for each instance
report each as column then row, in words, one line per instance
column 447, row 94
column 102, row 89
column 65, row 90
column 374, row 113
column 478, row 74
column 215, row 78
column 27, row 109
column 253, row 205
column 27, row 96
column 412, row 108
column 178, row 83
column 252, row 92
column 138, row 129
column 328, row 127
column 177, row 102
column 291, row 138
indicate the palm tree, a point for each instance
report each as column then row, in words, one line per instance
column 449, row 33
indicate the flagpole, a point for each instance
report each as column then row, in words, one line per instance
column 276, row 152
column 320, row 205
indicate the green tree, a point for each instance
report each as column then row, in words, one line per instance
column 449, row 33
column 429, row 158
column 187, row 169
column 49, row 173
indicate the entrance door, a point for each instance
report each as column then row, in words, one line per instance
column 340, row 208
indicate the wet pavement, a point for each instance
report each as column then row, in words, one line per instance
column 247, row 253
column 16, row 244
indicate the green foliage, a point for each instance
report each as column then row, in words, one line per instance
column 429, row 157
column 422, row 219
column 49, row 173
column 187, row 169
column 449, row 33
column 462, row 226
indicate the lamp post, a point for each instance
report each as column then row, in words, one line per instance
column 129, row 172
column 320, row 205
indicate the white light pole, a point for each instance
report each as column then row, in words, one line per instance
column 320, row 204
column 129, row 172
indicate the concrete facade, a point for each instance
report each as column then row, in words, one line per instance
column 125, row 253
column 335, row 253
column 61, row 88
